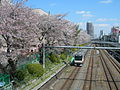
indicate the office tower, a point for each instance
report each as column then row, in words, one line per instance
column 90, row 29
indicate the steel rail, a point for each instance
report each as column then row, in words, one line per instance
column 113, row 62
column 68, row 82
column 116, row 54
column 104, row 64
column 87, row 85
column 105, row 73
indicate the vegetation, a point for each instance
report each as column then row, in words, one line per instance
column 21, row 27
column 32, row 70
column 74, row 49
column 84, row 44
column 54, row 58
column 21, row 74
column 20, row 23
column 35, row 69
column 63, row 56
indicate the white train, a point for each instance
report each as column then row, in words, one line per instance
column 78, row 59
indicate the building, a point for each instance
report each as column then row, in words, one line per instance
column 40, row 11
column 90, row 29
column 115, row 33
column 115, row 30
column 101, row 34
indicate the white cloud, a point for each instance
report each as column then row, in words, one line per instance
column 88, row 15
column 53, row 4
column 105, row 27
column 106, row 1
column 85, row 13
column 116, row 24
column 105, row 19
column 102, row 25
column 81, row 23
column 82, row 12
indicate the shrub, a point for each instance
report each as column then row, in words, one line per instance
column 66, row 52
column 74, row 49
column 54, row 58
column 48, row 64
column 21, row 74
column 35, row 69
column 63, row 56
column 84, row 44
column 70, row 57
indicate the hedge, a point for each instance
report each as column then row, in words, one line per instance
column 63, row 56
column 21, row 74
column 35, row 69
column 54, row 58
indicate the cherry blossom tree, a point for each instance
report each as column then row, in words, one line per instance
column 55, row 30
column 20, row 26
column 17, row 22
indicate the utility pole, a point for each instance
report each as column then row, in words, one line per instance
column 43, row 55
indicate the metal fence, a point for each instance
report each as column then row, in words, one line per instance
column 22, row 62
column 5, row 83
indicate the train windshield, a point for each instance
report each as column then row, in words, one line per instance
column 78, row 57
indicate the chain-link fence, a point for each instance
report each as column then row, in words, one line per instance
column 5, row 83
column 22, row 62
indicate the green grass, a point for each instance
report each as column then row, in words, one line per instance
column 46, row 76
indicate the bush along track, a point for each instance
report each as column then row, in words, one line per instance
column 39, row 81
column 34, row 74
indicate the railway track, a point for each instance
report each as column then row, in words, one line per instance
column 66, row 81
column 115, row 54
column 88, row 80
column 112, row 77
column 105, row 58
column 115, row 64
column 69, row 81
column 100, row 71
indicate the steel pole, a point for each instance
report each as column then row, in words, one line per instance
column 43, row 56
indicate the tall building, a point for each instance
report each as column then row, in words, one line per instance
column 90, row 29
column 101, row 34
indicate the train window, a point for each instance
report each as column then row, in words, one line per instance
column 78, row 57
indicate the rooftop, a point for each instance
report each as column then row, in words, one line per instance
column 40, row 11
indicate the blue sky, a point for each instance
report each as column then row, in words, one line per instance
column 103, row 13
